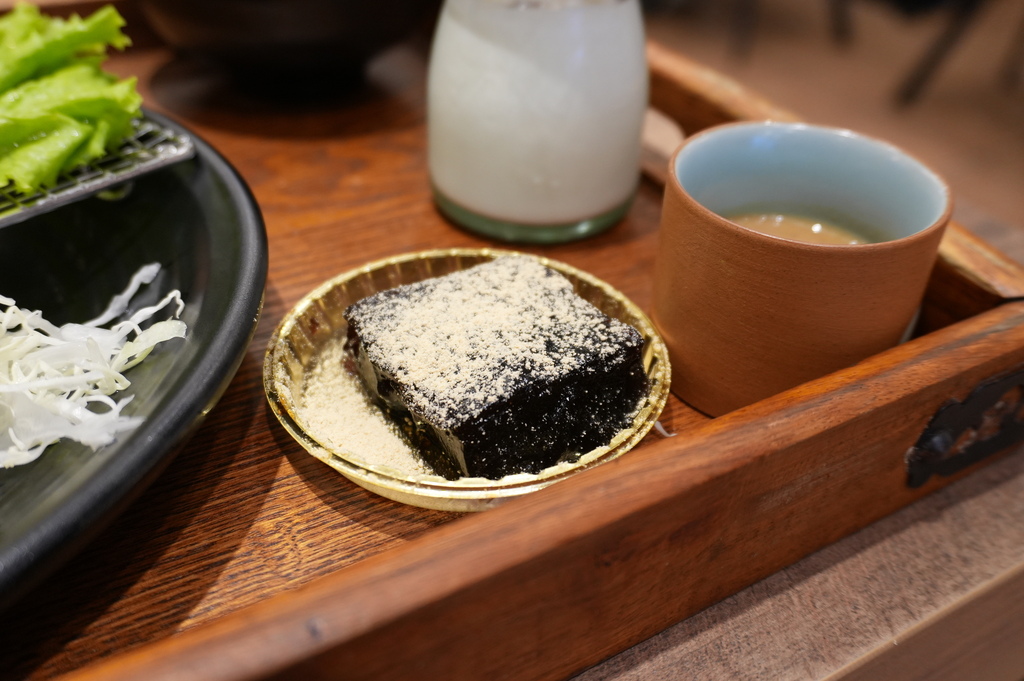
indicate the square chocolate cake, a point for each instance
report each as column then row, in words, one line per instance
column 502, row 365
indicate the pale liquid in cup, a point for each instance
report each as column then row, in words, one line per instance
column 535, row 109
column 798, row 228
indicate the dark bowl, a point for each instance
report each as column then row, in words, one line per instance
column 287, row 39
column 199, row 220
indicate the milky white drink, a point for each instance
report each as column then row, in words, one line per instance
column 535, row 107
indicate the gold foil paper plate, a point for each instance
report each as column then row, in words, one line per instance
column 309, row 381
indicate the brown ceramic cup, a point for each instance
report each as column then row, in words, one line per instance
column 747, row 315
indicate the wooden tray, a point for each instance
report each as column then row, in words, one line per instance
column 249, row 560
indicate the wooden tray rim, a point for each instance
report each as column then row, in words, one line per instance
column 330, row 617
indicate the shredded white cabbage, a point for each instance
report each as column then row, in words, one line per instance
column 56, row 382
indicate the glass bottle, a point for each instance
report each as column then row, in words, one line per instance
column 534, row 115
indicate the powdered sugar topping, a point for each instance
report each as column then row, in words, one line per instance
column 467, row 340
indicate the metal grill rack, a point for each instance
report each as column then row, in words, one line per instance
column 151, row 146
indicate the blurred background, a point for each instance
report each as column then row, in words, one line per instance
column 944, row 79
column 846, row 63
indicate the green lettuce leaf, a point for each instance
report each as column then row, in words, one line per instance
column 85, row 93
column 31, row 45
column 58, row 108
column 17, row 25
column 33, row 152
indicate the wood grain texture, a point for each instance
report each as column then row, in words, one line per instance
column 963, row 257
column 249, row 558
column 217, row 531
column 978, row 637
column 860, row 599
column 699, row 97
column 340, row 182
column 610, row 557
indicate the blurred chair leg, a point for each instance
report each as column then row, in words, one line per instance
column 1012, row 73
column 745, row 13
column 962, row 14
column 841, row 23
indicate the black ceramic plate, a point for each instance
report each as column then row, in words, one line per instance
column 199, row 220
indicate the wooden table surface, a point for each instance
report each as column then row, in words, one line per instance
column 242, row 513
column 341, row 181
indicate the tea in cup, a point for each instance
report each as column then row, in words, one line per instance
column 788, row 251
